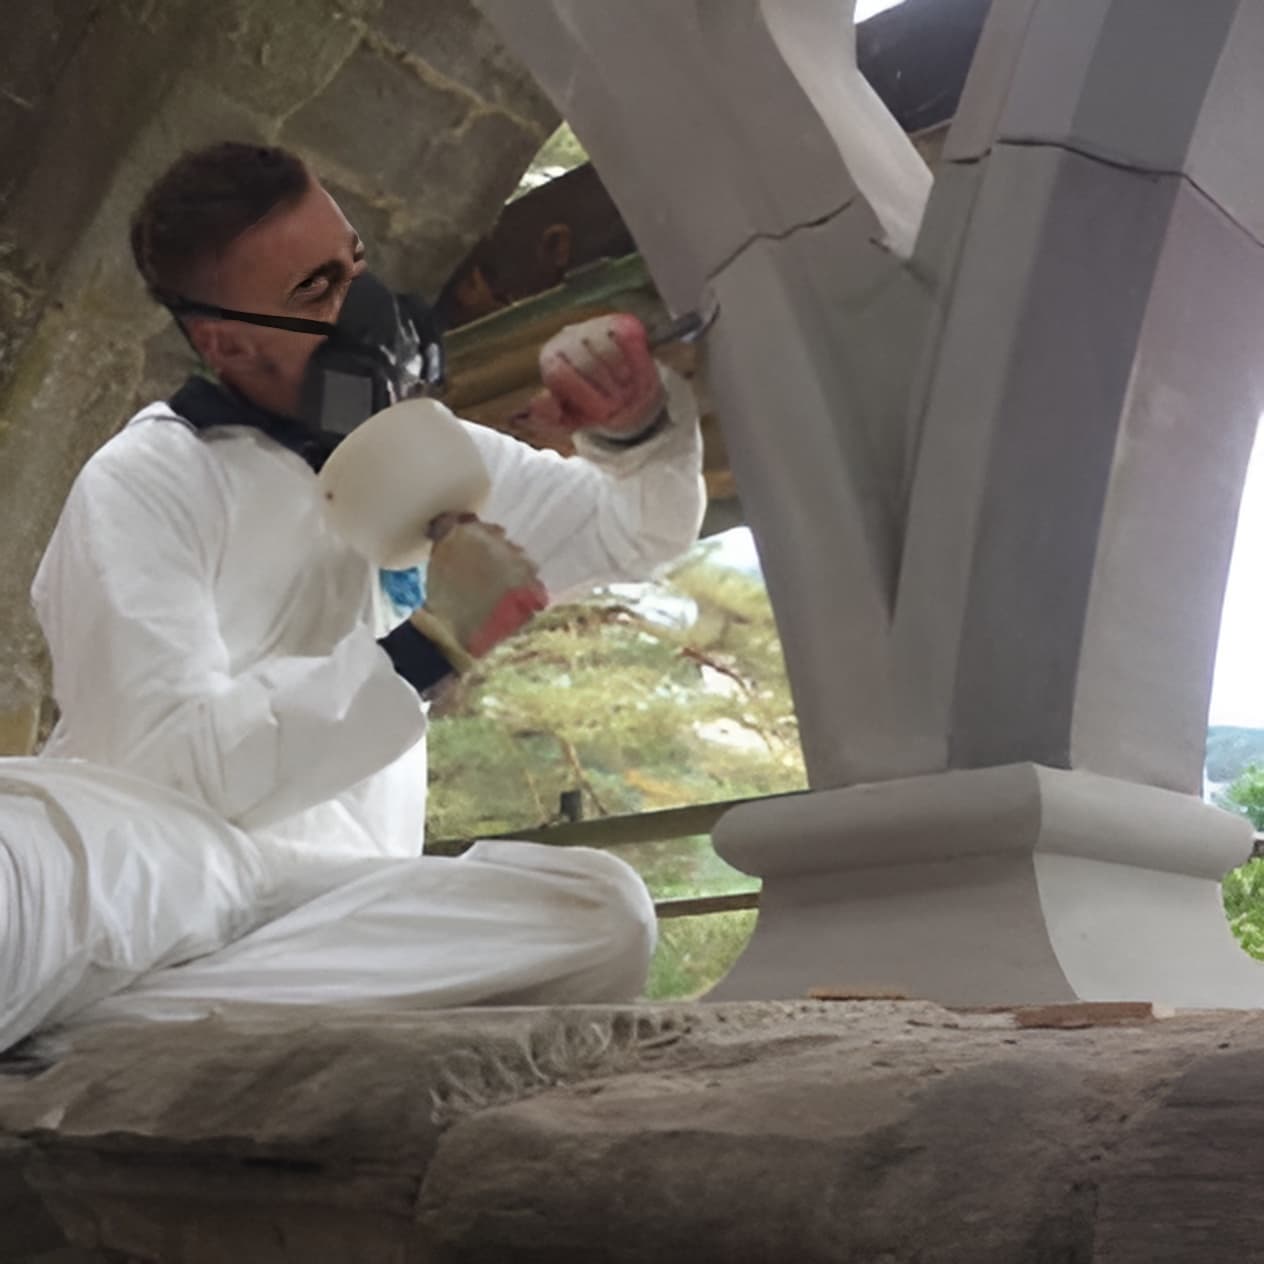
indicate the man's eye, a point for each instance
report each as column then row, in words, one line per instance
column 313, row 287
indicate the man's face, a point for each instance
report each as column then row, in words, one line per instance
column 297, row 261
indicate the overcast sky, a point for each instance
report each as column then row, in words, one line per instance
column 1238, row 694
column 867, row 8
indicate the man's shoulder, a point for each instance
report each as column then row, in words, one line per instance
column 154, row 445
column 156, row 426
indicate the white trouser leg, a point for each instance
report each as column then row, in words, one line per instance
column 102, row 879
column 43, row 958
column 508, row 923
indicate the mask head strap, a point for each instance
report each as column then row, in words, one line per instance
column 180, row 306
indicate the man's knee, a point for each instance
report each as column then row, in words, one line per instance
column 629, row 921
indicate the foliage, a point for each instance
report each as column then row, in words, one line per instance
column 694, row 953
column 562, row 152
column 1231, row 750
column 1244, row 887
column 1244, row 906
column 636, row 714
column 639, row 700
column 1246, row 795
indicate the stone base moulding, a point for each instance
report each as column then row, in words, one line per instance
column 1009, row 885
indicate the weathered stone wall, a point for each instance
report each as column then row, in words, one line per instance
column 411, row 110
column 793, row 1133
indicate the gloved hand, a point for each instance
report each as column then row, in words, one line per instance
column 480, row 589
column 599, row 376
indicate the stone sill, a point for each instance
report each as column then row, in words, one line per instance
column 799, row 1131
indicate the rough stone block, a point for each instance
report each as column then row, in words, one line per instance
column 23, row 288
column 456, row 195
column 114, row 84
column 26, row 1228
column 32, row 60
column 377, row 96
column 270, row 55
column 829, row 1133
column 467, row 177
column 455, row 41
column 19, row 729
column 99, row 272
column 73, row 387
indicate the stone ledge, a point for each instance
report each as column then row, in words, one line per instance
column 805, row 1131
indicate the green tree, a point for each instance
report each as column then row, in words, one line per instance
column 1246, row 795
column 603, row 698
column 673, row 695
column 1244, row 906
column 560, row 153
column 1244, row 888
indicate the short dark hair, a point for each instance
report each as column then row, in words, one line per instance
column 204, row 201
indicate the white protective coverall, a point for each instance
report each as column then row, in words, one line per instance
column 109, row 883
column 209, row 634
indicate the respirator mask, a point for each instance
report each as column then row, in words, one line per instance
column 383, row 348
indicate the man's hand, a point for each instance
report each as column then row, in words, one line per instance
column 479, row 585
column 599, row 376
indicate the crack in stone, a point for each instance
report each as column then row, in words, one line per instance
column 1105, row 160
column 10, row 95
column 433, row 78
column 817, row 222
column 356, row 33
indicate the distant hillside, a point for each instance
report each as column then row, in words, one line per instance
column 1231, row 750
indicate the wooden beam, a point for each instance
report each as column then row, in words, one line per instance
column 610, row 831
column 705, row 905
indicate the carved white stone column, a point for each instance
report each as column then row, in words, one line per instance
column 1094, row 396
column 994, row 486
column 739, row 140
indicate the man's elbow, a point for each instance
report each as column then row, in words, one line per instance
column 671, row 529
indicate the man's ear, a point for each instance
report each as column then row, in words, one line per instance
column 222, row 345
